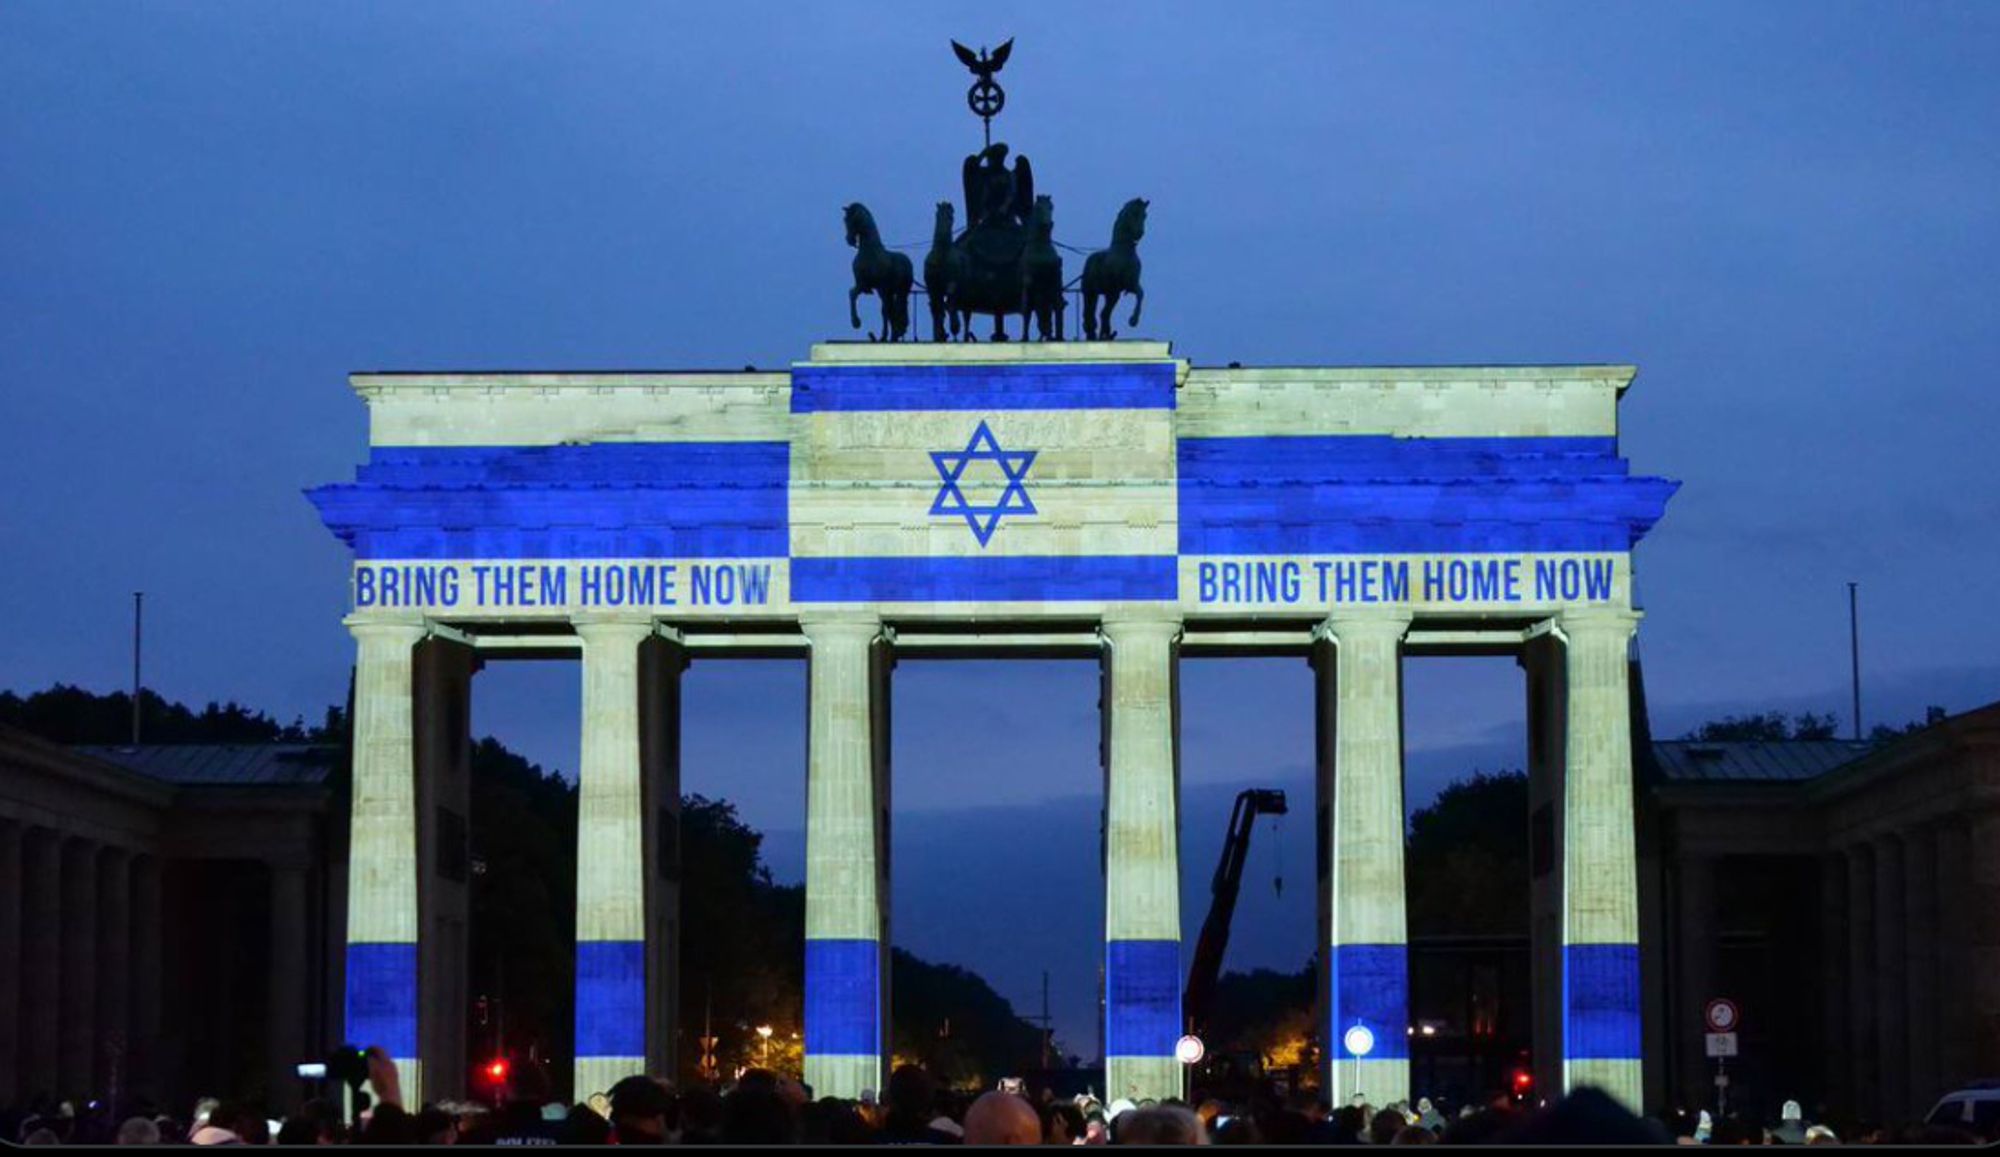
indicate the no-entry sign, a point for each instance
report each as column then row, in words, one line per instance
column 1721, row 1015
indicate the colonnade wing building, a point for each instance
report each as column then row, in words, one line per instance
column 1093, row 499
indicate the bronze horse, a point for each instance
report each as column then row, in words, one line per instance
column 879, row 271
column 1042, row 274
column 944, row 271
column 1108, row 273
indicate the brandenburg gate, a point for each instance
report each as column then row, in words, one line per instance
column 1091, row 499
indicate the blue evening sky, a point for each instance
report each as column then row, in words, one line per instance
column 1784, row 213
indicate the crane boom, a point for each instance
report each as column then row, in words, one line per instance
column 1207, row 964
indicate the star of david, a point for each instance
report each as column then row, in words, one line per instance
column 1014, row 500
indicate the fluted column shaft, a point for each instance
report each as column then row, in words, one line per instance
column 845, row 1007
column 1142, row 916
column 1368, row 967
column 382, row 918
column 1601, row 1011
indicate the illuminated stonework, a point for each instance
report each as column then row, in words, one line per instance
column 1141, row 509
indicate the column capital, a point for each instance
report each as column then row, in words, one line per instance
column 826, row 628
column 1136, row 624
column 364, row 626
column 1360, row 622
column 609, row 628
column 1605, row 620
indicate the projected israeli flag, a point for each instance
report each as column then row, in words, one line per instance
column 969, row 483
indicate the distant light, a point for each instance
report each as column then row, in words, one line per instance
column 1189, row 1050
column 496, row 1070
column 764, row 1030
column 1430, row 1030
column 1359, row 1041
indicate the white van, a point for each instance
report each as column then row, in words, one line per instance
column 1974, row 1108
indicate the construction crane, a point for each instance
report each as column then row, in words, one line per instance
column 1207, row 965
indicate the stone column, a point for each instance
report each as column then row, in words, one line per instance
column 13, row 881
column 114, row 968
column 1920, row 967
column 147, row 938
column 610, row 860
column 1835, row 1045
column 1600, row 872
column 1864, row 1084
column 1891, row 990
column 1954, row 952
column 1982, row 919
column 285, row 1016
column 1542, row 661
column 845, row 1014
column 41, row 960
column 381, row 987
column 1142, row 919
column 1367, row 954
column 441, row 754
column 79, row 966
column 1696, row 925
column 662, row 659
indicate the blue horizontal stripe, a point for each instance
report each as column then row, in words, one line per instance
column 1364, row 457
column 572, row 544
column 610, row 998
column 1013, row 386
column 1371, row 987
column 604, row 500
column 1016, row 578
column 1377, row 494
column 1142, row 997
column 843, row 998
column 1601, row 1002
column 685, row 464
column 382, row 997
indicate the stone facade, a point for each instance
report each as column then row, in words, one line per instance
column 164, row 917
column 1847, row 897
column 1096, row 500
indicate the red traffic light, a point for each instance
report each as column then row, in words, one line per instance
column 1523, row 1081
column 496, row 1070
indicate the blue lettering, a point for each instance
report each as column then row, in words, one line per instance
column 1512, row 573
column 1396, row 582
column 1485, row 580
column 1433, row 581
column 1205, row 582
column 756, row 584
column 1545, row 579
column 1320, row 568
column 1597, row 578
column 1345, row 582
column 364, row 587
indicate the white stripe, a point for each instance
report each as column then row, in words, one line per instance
column 1102, row 482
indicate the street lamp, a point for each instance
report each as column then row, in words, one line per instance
column 1360, row 1042
column 764, row 1030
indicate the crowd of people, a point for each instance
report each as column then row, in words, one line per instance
column 763, row 1108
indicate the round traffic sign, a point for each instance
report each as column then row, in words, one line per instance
column 1721, row 1015
column 1359, row 1041
column 1189, row 1050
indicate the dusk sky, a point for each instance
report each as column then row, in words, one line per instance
column 1786, row 214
